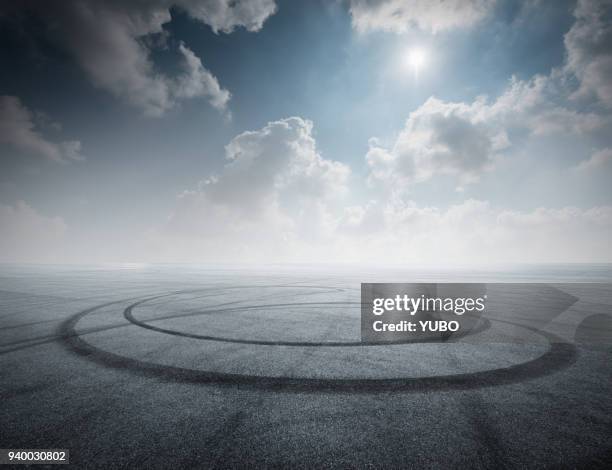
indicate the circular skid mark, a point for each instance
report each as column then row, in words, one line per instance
column 484, row 324
column 559, row 356
column 595, row 332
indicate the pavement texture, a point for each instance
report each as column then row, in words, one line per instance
column 184, row 367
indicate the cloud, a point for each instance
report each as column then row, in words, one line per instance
column 400, row 16
column 597, row 160
column 112, row 41
column 474, row 232
column 18, row 128
column 589, row 50
column 197, row 81
column 466, row 139
column 226, row 15
column 277, row 199
column 540, row 106
column 438, row 138
column 28, row 236
column 275, row 188
column 390, row 232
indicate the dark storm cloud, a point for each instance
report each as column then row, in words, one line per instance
column 19, row 129
column 108, row 39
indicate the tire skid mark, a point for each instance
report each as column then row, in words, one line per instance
column 559, row 356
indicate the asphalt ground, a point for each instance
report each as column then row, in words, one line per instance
column 159, row 367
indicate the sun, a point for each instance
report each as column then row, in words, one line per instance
column 416, row 58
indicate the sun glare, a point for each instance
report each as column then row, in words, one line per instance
column 416, row 58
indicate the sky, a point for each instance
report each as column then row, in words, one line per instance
column 390, row 131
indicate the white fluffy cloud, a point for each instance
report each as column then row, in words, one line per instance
column 589, row 50
column 112, row 41
column 540, row 106
column 599, row 159
column 465, row 139
column 226, row 15
column 28, row 236
column 474, row 232
column 197, row 81
column 438, row 138
column 278, row 200
column 399, row 16
column 274, row 189
column 18, row 129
